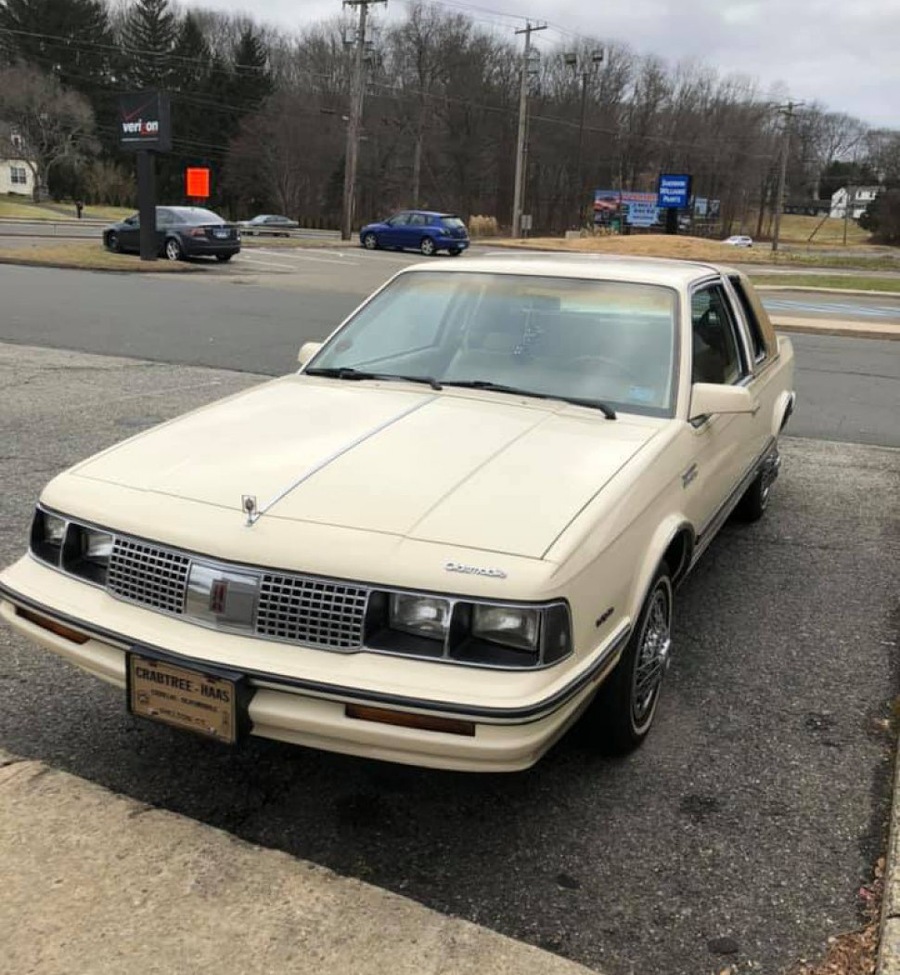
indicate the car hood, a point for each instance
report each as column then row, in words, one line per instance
column 466, row 468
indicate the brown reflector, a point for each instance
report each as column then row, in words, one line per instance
column 424, row 722
column 52, row 626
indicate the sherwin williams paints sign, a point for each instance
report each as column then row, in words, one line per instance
column 144, row 121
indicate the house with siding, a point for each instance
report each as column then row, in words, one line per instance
column 852, row 201
column 16, row 176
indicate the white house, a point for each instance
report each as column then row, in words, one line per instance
column 15, row 173
column 854, row 199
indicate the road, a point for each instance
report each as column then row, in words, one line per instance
column 255, row 316
column 738, row 835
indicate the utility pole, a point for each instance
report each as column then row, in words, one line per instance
column 587, row 73
column 847, row 208
column 357, row 96
column 521, row 150
column 788, row 111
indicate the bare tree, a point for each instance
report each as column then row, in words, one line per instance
column 50, row 124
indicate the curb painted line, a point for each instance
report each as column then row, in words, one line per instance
column 888, row 962
column 847, row 329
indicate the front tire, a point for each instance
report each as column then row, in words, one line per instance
column 173, row 250
column 427, row 247
column 625, row 705
column 112, row 243
column 370, row 242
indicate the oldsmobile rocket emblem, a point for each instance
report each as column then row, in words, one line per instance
column 248, row 503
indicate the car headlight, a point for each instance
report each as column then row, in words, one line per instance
column 86, row 553
column 48, row 532
column 426, row 616
column 506, row 625
column 467, row 632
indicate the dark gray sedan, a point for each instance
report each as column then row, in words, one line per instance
column 181, row 232
column 269, row 223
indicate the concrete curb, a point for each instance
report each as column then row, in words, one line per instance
column 97, row 882
column 851, row 292
column 888, row 962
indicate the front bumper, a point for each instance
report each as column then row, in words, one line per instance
column 311, row 711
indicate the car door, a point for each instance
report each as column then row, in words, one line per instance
column 395, row 227
column 724, row 444
column 415, row 229
column 165, row 221
column 130, row 233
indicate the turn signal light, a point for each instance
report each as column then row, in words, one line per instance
column 406, row 719
column 47, row 624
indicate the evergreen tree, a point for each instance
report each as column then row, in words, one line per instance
column 70, row 39
column 252, row 80
column 149, row 35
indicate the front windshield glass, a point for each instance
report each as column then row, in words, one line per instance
column 604, row 341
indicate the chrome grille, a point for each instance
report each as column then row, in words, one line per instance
column 325, row 614
column 148, row 575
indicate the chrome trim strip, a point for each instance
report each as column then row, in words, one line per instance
column 263, row 509
column 520, row 715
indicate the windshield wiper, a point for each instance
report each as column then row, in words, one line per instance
column 345, row 372
column 593, row 404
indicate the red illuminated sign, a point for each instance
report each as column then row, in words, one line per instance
column 196, row 182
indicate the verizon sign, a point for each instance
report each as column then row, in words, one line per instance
column 144, row 121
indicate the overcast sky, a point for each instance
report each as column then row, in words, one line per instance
column 844, row 54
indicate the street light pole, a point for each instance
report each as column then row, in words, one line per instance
column 523, row 124
column 357, row 96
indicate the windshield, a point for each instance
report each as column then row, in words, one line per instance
column 595, row 340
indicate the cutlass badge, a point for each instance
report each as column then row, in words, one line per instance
column 474, row 570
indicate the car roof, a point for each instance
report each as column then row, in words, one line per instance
column 637, row 270
column 429, row 213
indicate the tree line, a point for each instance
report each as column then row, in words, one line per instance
column 266, row 109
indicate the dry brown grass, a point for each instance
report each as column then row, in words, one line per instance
column 703, row 249
column 86, row 255
column 482, row 226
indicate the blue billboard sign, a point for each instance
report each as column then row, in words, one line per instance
column 673, row 190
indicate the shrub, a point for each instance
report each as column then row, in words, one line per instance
column 481, row 226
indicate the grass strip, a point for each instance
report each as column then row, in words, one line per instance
column 87, row 255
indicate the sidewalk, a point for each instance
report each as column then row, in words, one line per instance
column 97, row 884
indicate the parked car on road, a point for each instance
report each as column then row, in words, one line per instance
column 420, row 230
column 268, row 224
column 738, row 240
column 459, row 527
column 181, row 232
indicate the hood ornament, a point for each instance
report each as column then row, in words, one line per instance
column 250, row 509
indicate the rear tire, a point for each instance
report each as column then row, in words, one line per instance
column 623, row 710
column 224, row 258
column 427, row 247
column 454, row 251
column 173, row 250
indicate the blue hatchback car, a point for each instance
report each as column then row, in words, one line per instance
column 421, row 230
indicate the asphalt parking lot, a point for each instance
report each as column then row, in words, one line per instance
column 738, row 836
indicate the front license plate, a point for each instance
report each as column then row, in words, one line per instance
column 189, row 699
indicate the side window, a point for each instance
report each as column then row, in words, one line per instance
column 164, row 218
column 757, row 342
column 717, row 356
column 398, row 220
column 418, row 220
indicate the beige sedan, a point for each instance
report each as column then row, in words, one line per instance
column 455, row 530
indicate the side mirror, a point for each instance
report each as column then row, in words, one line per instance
column 307, row 351
column 708, row 398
